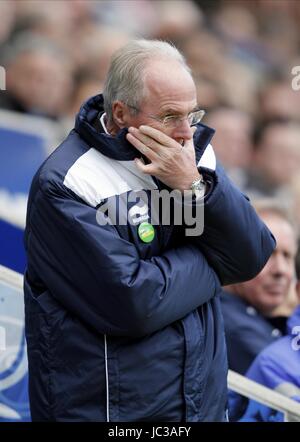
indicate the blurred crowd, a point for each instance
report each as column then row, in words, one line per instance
column 242, row 52
column 56, row 54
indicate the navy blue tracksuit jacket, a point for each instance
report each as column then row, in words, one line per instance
column 119, row 329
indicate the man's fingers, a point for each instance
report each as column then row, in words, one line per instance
column 141, row 147
column 158, row 136
column 146, row 140
column 145, row 168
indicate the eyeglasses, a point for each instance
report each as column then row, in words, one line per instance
column 175, row 120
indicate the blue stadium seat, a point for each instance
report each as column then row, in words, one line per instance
column 25, row 142
column 14, row 401
column 12, row 253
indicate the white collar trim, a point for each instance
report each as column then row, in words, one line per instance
column 103, row 123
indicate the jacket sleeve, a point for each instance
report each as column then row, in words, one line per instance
column 99, row 277
column 235, row 241
column 271, row 369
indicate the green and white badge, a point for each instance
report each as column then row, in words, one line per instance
column 146, row 232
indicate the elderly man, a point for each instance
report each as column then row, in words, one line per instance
column 277, row 366
column 250, row 308
column 123, row 319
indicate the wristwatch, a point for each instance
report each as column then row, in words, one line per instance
column 198, row 187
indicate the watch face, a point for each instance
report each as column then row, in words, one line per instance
column 198, row 186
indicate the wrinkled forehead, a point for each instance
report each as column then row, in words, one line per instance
column 169, row 85
column 162, row 74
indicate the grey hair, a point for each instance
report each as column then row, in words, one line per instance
column 125, row 77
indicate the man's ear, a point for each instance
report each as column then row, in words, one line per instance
column 120, row 112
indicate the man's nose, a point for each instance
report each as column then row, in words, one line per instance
column 183, row 130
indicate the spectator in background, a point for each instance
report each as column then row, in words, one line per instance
column 96, row 46
column 248, row 307
column 59, row 21
column 87, row 85
column 276, row 367
column 39, row 78
column 7, row 14
column 276, row 159
column 232, row 141
column 277, row 99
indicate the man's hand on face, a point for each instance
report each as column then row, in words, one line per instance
column 170, row 162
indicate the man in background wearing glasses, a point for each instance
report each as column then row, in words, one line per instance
column 123, row 319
